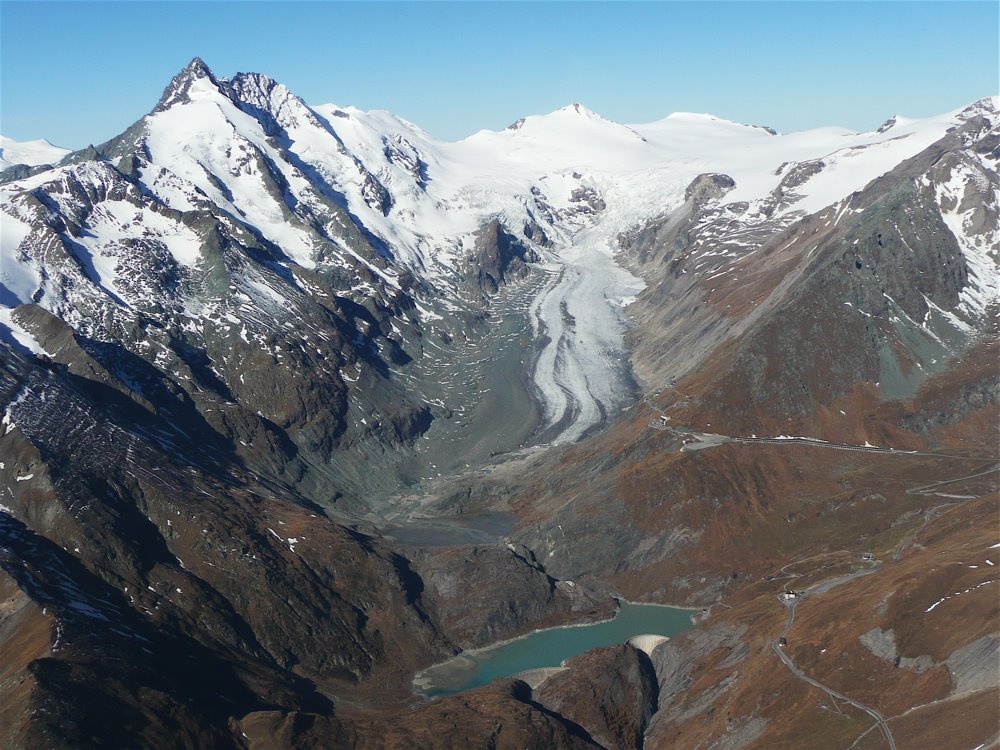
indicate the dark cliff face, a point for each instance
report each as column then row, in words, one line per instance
column 502, row 715
column 500, row 258
column 20, row 171
column 612, row 692
column 708, row 187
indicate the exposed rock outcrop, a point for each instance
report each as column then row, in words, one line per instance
column 488, row 594
column 500, row 258
column 611, row 692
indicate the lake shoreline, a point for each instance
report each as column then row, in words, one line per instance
column 457, row 673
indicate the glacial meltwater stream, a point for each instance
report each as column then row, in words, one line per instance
column 548, row 648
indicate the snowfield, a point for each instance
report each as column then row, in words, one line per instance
column 31, row 153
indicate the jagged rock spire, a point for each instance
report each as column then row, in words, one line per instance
column 177, row 90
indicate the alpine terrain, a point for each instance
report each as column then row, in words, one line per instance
column 298, row 401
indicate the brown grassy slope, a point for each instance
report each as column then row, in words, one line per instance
column 825, row 642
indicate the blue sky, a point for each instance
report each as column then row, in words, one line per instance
column 80, row 72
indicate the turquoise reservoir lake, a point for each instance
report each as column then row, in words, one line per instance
column 548, row 648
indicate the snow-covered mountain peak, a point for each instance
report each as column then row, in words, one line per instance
column 31, row 153
column 178, row 90
column 572, row 124
column 574, row 108
column 988, row 107
column 583, row 111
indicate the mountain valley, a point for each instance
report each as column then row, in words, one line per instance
column 299, row 401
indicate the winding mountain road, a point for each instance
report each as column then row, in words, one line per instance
column 879, row 719
column 778, row 649
column 822, row 586
column 702, row 440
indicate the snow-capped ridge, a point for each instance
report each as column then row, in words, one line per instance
column 700, row 126
column 259, row 94
column 987, row 107
column 575, row 108
column 696, row 117
column 418, row 194
column 574, row 115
